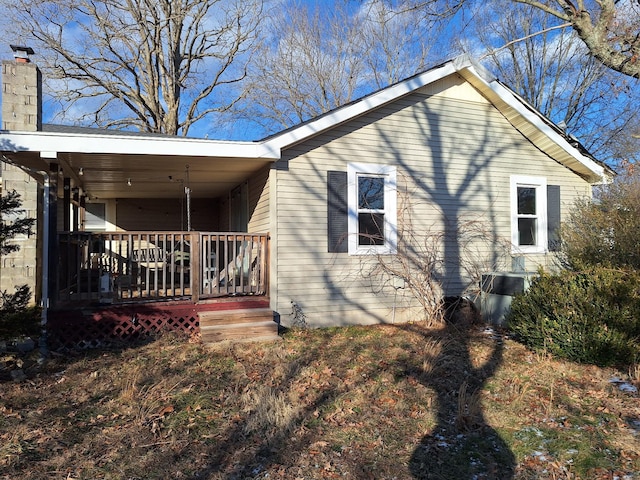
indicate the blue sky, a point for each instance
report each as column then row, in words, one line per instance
column 441, row 49
column 244, row 130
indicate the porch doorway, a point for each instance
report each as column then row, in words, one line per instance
column 239, row 206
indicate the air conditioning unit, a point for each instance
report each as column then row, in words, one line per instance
column 497, row 290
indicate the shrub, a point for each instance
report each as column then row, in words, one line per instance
column 605, row 232
column 16, row 318
column 591, row 316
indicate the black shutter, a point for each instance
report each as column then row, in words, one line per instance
column 337, row 212
column 553, row 217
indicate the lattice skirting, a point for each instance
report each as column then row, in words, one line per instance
column 106, row 326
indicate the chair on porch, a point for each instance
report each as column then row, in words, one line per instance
column 149, row 261
column 179, row 263
column 239, row 270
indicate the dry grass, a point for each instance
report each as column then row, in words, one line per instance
column 379, row 402
column 267, row 408
column 469, row 409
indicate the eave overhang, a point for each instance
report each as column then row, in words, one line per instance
column 113, row 165
column 535, row 127
column 539, row 130
column 111, row 160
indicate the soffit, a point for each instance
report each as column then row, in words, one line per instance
column 107, row 176
column 534, row 127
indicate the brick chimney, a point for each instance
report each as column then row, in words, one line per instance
column 21, row 92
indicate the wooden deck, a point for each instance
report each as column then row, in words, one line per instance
column 237, row 319
column 120, row 286
column 242, row 325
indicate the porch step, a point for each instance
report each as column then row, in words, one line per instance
column 238, row 325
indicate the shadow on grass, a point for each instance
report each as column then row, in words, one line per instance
column 336, row 404
column 462, row 445
column 240, row 453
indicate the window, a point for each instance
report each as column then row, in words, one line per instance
column 372, row 208
column 529, row 214
column 95, row 217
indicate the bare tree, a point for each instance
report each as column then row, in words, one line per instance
column 307, row 64
column 158, row 65
column 609, row 28
column 420, row 263
column 313, row 60
column 392, row 41
column 627, row 150
column 553, row 70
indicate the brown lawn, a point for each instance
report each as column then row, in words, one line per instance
column 383, row 402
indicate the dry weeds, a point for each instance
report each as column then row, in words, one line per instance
column 379, row 402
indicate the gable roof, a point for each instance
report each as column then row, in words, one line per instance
column 540, row 130
column 121, row 155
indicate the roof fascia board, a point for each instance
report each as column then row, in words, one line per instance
column 126, row 145
column 534, row 118
column 371, row 102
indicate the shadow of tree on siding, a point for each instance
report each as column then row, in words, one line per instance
column 449, row 177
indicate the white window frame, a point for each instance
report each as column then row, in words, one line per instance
column 540, row 186
column 388, row 173
column 109, row 218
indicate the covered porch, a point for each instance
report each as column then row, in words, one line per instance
column 130, row 222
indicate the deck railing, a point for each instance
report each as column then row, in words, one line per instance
column 131, row 266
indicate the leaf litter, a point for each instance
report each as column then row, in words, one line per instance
column 354, row 402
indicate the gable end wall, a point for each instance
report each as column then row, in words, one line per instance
column 454, row 153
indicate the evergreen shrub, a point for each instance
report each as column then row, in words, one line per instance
column 16, row 317
column 592, row 316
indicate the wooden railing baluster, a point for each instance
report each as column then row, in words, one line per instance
column 131, row 266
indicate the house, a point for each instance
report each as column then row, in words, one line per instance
column 314, row 223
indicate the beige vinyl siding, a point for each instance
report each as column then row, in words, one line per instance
column 259, row 202
column 453, row 86
column 454, row 154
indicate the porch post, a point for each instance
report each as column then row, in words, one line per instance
column 49, row 251
column 196, row 270
column 52, row 281
column 82, row 216
column 43, row 239
column 66, row 208
column 76, row 210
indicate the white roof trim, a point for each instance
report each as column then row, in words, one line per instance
column 272, row 147
column 535, row 119
column 387, row 95
column 359, row 107
column 126, row 144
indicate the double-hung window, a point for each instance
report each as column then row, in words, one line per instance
column 372, row 206
column 528, row 214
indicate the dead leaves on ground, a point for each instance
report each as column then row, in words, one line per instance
column 353, row 402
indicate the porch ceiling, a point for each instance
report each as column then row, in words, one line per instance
column 151, row 176
column 107, row 175
column 112, row 164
